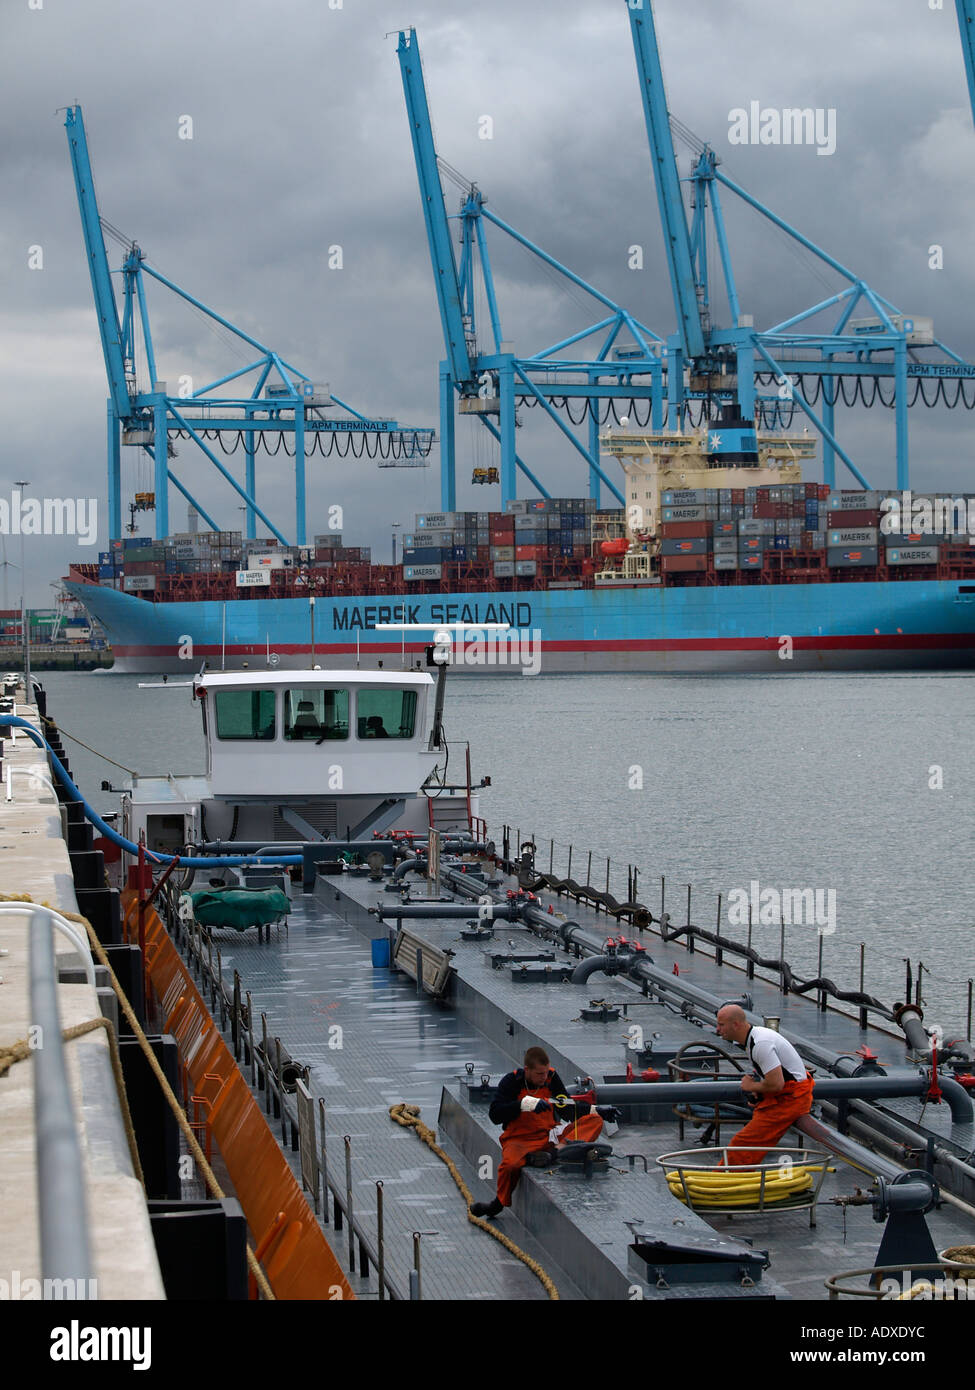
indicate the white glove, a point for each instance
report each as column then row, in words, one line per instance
column 529, row 1102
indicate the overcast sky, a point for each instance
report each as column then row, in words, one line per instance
column 300, row 142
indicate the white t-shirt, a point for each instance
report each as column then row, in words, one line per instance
column 768, row 1049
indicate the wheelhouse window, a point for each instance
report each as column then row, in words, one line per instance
column 245, row 714
column 385, row 713
column 316, row 714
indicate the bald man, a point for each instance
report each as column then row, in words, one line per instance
column 784, row 1088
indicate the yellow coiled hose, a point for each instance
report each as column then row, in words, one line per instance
column 727, row 1188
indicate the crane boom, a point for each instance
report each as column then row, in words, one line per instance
column 676, row 237
column 966, row 24
column 101, row 283
column 435, row 214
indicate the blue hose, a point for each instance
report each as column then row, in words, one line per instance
column 226, row 861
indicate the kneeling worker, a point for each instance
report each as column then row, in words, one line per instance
column 784, row 1088
column 524, row 1106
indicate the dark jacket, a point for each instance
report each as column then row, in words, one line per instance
column 506, row 1105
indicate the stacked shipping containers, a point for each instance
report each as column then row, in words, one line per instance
column 737, row 529
column 527, row 539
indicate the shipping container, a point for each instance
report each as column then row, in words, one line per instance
column 139, row 583
column 912, row 555
column 722, row 528
column 686, row 497
column 502, row 552
column 689, row 545
column 748, row 526
column 864, row 535
column 726, row 562
column 842, row 520
column 839, row 557
column 504, row 569
column 516, row 506
column 530, row 552
column 688, row 513
column 725, row 545
column 750, row 562
column 413, row 573
column 524, row 569
column 858, row 500
column 678, row 530
column 436, row 521
column 678, row 564
column 753, row 545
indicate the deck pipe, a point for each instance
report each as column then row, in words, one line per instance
column 856, row 1154
column 505, row 912
column 827, row 1088
column 620, row 964
column 459, row 844
column 895, row 1131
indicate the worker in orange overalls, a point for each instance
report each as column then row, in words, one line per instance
column 524, row 1105
column 783, row 1086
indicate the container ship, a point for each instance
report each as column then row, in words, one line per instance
column 724, row 560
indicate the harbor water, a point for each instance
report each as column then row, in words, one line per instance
column 857, row 787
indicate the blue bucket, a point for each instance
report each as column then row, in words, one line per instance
column 380, row 952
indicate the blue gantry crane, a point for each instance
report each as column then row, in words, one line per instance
column 763, row 375
column 283, row 402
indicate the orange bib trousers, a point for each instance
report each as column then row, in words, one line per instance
column 773, row 1116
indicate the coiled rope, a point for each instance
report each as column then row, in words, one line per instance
column 409, row 1117
column 198, row 1155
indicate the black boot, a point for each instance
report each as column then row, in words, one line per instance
column 491, row 1208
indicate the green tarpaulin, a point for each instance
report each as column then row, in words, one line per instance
column 239, row 907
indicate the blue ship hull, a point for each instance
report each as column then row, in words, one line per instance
column 768, row 628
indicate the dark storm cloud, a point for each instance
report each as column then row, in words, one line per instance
column 301, row 142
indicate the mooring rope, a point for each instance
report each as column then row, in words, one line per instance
column 409, row 1117
column 75, row 739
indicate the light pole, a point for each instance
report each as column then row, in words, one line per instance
column 24, row 626
column 394, row 525
column 311, row 613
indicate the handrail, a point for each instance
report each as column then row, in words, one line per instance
column 69, row 929
column 65, row 1245
column 36, row 772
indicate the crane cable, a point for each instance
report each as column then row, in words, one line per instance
column 409, row 1117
